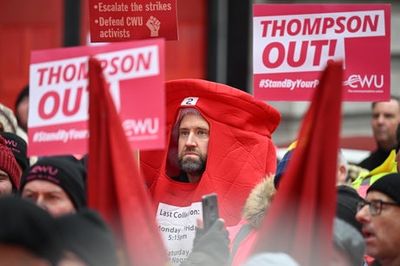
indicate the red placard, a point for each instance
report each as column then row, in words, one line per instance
column 293, row 43
column 115, row 21
column 58, row 102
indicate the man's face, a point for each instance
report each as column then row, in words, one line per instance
column 381, row 232
column 5, row 183
column 385, row 119
column 48, row 196
column 193, row 144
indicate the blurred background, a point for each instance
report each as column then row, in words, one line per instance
column 215, row 40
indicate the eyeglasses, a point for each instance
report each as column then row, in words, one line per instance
column 375, row 206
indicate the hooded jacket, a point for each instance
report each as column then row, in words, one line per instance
column 240, row 150
column 244, row 234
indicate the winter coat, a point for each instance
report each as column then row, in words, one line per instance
column 244, row 234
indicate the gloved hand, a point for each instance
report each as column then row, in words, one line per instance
column 210, row 247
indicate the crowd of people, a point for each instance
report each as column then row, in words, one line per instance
column 219, row 140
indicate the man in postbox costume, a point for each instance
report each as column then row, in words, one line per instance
column 227, row 151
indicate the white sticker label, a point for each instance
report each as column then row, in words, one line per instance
column 190, row 101
column 177, row 227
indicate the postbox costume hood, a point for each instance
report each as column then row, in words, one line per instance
column 240, row 149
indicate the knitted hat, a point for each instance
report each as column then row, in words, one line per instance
column 8, row 164
column 18, row 147
column 348, row 241
column 346, row 205
column 25, row 225
column 64, row 171
column 388, row 184
column 86, row 235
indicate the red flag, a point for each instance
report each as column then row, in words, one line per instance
column 299, row 221
column 115, row 186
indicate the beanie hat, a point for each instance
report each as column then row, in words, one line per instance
column 348, row 241
column 346, row 205
column 8, row 164
column 28, row 226
column 86, row 235
column 389, row 185
column 64, row 171
column 18, row 147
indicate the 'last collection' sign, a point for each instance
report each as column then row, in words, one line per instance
column 293, row 43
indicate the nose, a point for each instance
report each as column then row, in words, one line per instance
column 191, row 140
column 363, row 214
column 380, row 119
column 40, row 202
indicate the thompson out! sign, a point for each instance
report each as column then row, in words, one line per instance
column 58, row 102
column 293, row 43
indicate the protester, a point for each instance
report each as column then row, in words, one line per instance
column 385, row 122
column 8, row 122
column 257, row 204
column 87, row 240
column 18, row 147
column 219, row 140
column 348, row 249
column 379, row 215
column 10, row 173
column 28, row 234
column 56, row 184
column 244, row 235
column 22, row 107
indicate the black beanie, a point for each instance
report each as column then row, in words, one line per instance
column 26, row 225
column 18, row 147
column 389, row 185
column 86, row 235
column 346, row 205
column 64, row 171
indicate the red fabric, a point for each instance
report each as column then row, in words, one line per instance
column 245, row 247
column 115, row 187
column 299, row 221
column 240, row 150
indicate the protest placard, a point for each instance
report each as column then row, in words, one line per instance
column 58, row 102
column 293, row 43
column 115, row 21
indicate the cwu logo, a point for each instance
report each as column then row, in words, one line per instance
column 365, row 81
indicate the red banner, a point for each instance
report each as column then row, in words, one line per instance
column 58, row 99
column 116, row 21
column 293, row 43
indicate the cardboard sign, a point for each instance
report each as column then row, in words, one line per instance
column 177, row 228
column 293, row 43
column 58, row 102
column 115, row 21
